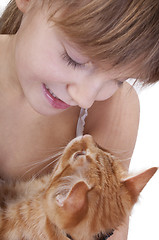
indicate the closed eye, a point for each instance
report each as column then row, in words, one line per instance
column 104, row 236
column 68, row 236
column 120, row 83
column 71, row 62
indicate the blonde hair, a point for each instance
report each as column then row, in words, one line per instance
column 115, row 31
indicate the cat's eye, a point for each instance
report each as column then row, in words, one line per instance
column 78, row 154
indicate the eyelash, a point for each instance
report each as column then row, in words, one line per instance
column 120, row 83
column 74, row 64
column 71, row 62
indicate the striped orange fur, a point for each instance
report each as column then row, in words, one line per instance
column 87, row 193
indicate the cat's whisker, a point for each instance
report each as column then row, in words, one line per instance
column 43, row 161
column 50, row 150
column 38, row 163
column 53, row 156
column 48, row 165
column 116, row 152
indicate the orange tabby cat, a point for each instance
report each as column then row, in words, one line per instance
column 87, row 195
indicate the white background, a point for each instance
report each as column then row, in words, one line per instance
column 144, row 221
column 3, row 3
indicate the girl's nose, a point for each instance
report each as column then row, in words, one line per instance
column 84, row 94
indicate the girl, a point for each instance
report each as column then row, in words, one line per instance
column 58, row 56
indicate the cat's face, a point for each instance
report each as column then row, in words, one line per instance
column 89, row 192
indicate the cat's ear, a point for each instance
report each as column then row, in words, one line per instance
column 76, row 202
column 136, row 184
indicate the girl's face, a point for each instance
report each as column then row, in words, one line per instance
column 52, row 72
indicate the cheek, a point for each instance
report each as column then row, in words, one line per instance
column 48, row 65
column 36, row 65
column 107, row 90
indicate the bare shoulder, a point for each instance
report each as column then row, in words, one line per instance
column 114, row 122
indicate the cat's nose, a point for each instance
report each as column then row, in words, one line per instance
column 89, row 143
column 89, row 140
column 87, row 137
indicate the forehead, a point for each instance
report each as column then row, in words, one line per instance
column 95, row 30
column 103, row 62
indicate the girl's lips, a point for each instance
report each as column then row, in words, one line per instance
column 55, row 102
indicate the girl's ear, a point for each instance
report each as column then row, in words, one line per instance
column 23, row 5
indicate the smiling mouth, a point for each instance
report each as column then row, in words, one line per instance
column 51, row 92
column 53, row 99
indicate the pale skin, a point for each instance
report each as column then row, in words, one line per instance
column 31, row 129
